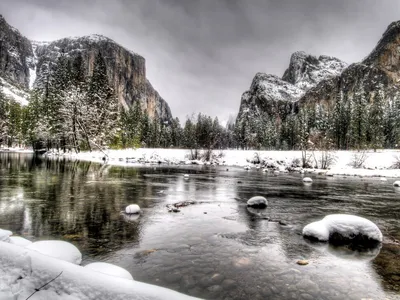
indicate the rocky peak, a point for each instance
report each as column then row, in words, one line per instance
column 271, row 87
column 24, row 63
column 386, row 54
column 306, row 71
column 16, row 56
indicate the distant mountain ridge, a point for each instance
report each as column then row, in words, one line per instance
column 269, row 94
column 311, row 81
column 23, row 64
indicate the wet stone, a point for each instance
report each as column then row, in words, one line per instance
column 188, row 282
column 217, row 278
column 228, row 283
column 173, row 278
column 306, row 296
column 215, row 289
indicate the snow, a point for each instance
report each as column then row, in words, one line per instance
column 13, row 92
column 5, row 235
column 347, row 226
column 257, row 201
column 58, row 249
column 20, row 241
column 132, row 209
column 32, row 77
column 22, row 270
column 109, row 269
column 377, row 164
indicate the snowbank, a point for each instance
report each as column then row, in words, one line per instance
column 370, row 163
column 341, row 227
column 22, row 270
column 109, row 269
column 58, row 249
column 5, row 235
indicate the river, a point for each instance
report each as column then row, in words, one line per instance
column 216, row 248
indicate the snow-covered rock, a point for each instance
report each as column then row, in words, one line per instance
column 342, row 227
column 132, row 209
column 307, row 180
column 20, row 241
column 257, row 201
column 185, row 175
column 109, row 269
column 5, row 235
column 396, row 184
column 75, row 282
column 58, row 249
column 306, row 71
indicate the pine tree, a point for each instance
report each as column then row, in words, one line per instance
column 376, row 121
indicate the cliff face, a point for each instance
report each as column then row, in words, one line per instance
column 323, row 80
column 378, row 72
column 16, row 56
column 272, row 96
column 126, row 70
column 24, row 64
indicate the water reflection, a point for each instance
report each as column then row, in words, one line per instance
column 216, row 248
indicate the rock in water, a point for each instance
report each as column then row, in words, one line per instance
column 58, row 249
column 342, row 229
column 257, row 202
column 109, row 269
column 307, row 180
column 132, row 209
column 302, row 262
column 396, row 184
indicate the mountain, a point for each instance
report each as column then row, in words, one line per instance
column 24, row 64
column 358, row 105
column 274, row 96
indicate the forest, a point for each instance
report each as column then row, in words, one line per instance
column 69, row 111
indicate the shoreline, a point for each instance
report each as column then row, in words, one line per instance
column 374, row 164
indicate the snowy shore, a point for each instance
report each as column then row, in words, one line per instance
column 371, row 164
column 23, row 270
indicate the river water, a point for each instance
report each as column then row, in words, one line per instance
column 216, row 248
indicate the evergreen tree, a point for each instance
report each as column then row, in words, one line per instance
column 376, row 121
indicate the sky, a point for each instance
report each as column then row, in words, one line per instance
column 201, row 55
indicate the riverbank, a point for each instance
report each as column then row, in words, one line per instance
column 382, row 163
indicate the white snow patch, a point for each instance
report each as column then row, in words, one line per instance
column 75, row 282
column 19, row 241
column 5, row 235
column 32, row 77
column 132, row 209
column 58, row 249
column 346, row 226
column 109, row 269
column 13, row 92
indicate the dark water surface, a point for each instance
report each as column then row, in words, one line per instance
column 216, row 248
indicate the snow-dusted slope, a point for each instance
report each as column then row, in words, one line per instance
column 272, row 96
column 306, row 71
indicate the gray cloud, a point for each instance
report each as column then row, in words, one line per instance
column 202, row 55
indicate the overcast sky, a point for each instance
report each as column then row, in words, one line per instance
column 202, row 55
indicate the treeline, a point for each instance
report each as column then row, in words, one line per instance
column 73, row 112
column 360, row 121
column 70, row 111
